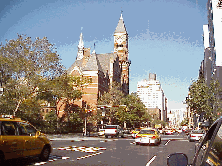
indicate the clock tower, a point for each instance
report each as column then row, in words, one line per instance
column 121, row 50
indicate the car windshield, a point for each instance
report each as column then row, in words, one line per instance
column 147, row 132
column 197, row 132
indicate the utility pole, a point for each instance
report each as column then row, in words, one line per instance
column 85, row 119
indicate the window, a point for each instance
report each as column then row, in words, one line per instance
column 201, row 156
column 26, row 129
column 8, row 128
column 215, row 154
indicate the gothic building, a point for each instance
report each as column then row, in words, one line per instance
column 102, row 69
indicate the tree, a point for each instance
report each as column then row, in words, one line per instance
column 129, row 107
column 112, row 98
column 198, row 96
column 205, row 100
column 136, row 111
column 51, row 122
column 62, row 91
column 184, row 122
column 24, row 65
column 215, row 92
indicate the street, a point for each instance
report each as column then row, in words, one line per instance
column 117, row 151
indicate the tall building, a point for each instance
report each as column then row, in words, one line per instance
column 212, row 64
column 102, row 69
column 152, row 95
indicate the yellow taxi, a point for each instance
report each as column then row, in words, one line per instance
column 148, row 136
column 135, row 132
column 19, row 138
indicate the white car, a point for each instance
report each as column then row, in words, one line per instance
column 179, row 130
column 101, row 132
column 196, row 135
column 168, row 132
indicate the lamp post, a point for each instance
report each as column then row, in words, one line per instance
column 86, row 113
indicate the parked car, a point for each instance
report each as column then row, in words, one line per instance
column 113, row 131
column 19, row 138
column 148, row 136
column 101, row 132
column 208, row 152
column 195, row 135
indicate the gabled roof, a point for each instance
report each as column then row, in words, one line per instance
column 96, row 62
column 121, row 26
column 77, row 63
column 104, row 61
column 92, row 64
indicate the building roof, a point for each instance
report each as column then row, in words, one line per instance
column 96, row 62
column 121, row 26
column 92, row 64
column 77, row 63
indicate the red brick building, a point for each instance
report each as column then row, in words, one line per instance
column 102, row 69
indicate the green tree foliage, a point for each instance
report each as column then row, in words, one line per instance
column 51, row 122
column 184, row 122
column 129, row 108
column 32, row 76
column 136, row 111
column 112, row 98
column 205, row 99
column 198, row 97
column 24, row 65
column 214, row 103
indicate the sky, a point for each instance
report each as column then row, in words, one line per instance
column 165, row 36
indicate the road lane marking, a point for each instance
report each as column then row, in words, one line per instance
column 151, row 160
column 167, row 142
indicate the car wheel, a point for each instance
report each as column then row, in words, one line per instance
column 137, row 143
column 106, row 136
column 44, row 156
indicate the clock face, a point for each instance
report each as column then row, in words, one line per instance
column 119, row 40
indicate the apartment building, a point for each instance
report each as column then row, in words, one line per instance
column 152, row 95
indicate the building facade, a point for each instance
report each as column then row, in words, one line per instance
column 152, row 95
column 102, row 69
column 211, row 67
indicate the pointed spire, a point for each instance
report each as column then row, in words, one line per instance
column 81, row 43
column 80, row 48
column 121, row 16
column 120, row 26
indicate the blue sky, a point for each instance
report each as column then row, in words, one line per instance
column 165, row 36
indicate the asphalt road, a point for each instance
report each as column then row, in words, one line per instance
column 113, row 152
